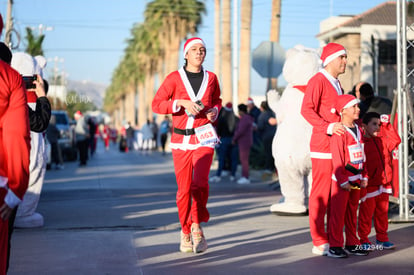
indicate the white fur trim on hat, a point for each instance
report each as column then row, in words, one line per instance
column 191, row 42
column 351, row 103
column 332, row 57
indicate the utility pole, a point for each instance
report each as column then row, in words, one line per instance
column 274, row 35
column 9, row 23
column 217, row 38
column 235, row 51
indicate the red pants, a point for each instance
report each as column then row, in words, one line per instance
column 376, row 207
column 319, row 199
column 343, row 211
column 192, row 168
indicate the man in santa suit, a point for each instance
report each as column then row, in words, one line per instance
column 192, row 96
column 318, row 108
column 14, row 149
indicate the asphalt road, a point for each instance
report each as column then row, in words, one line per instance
column 118, row 215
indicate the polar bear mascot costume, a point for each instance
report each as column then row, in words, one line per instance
column 26, row 216
column 290, row 146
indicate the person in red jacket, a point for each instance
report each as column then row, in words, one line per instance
column 106, row 131
column 192, row 96
column 14, row 150
column 380, row 139
column 349, row 175
column 318, row 108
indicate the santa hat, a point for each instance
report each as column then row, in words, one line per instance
column 330, row 52
column 228, row 106
column 191, row 42
column 250, row 100
column 345, row 101
column 78, row 114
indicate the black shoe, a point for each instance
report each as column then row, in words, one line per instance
column 356, row 250
column 337, row 252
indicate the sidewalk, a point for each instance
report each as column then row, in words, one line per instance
column 118, row 216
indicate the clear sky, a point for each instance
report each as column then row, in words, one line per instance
column 88, row 37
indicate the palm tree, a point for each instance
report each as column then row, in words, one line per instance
column 152, row 51
column 245, row 45
column 146, row 51
column 274, row 35
column 226, row 72
column 217, row 38
column 34, row 43
column 175, row 19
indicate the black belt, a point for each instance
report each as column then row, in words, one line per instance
column 353, row 170
column 185, row 132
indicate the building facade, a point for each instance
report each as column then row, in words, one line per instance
column 370, row 39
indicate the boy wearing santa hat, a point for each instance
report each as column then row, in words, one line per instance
column 318, row 108
column 380, row 139
column 349, row 175
column 192, row 96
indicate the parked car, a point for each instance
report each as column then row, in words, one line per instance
column 67, row 136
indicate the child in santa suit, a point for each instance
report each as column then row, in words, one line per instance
column 380, row 139
column 192, row 96
column 349, row 175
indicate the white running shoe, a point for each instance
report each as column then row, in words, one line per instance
column 215, row 179
column 321, row 250
column 243, row 180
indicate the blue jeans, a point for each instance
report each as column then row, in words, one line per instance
column 227, row 151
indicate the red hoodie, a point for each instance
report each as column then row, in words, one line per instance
column 378, row 155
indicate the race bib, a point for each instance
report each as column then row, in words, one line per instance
column 356, row 153
column 207, row 135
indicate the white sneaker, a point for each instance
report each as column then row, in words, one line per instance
column 243, row 180
column 215, row 179
column 321, row 250
column 225, row 173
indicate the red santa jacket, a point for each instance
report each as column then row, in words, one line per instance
column 318, row 108
column 14, row 136
column 348, row 150
column 177, row 86
column 378, row 151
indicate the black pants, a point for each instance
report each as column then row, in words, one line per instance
column 163, row 141
column 56, row 153
column 83, row 150
column 269, row 160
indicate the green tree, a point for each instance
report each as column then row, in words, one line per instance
column 34, row 43
column 152, row 51
column 175, row 19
